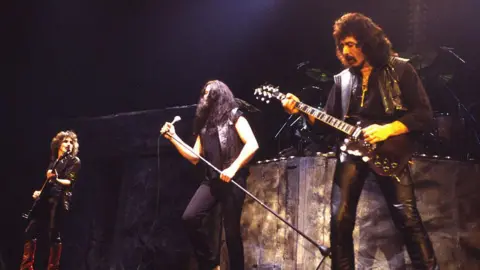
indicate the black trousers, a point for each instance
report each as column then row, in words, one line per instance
column 350, row 176
column 206, row 198
column 49, row 213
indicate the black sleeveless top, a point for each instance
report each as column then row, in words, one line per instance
column 222, row 145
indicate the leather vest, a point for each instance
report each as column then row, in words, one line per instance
column 230, row 143
column 388, row 84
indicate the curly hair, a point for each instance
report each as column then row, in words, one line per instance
column 373, row 41
column 213, row 110
column 58, row 139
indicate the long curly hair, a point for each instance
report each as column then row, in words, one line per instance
column 374, row 43
column 58, row 139
column 214, row 109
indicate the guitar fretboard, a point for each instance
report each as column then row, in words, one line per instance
column 321, row 115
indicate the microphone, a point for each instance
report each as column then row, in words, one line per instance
column 66, row 153
column 176, row 119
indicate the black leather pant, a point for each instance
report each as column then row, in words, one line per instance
column 207, row 196
column 51, row 214
column 350, row 176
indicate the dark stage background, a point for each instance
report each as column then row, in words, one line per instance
column 66, row 61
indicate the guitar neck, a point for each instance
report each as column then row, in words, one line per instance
column 322, row 116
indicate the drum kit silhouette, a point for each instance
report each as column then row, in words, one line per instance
column 455, row 130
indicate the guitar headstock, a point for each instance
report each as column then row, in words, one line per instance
column 266, row 92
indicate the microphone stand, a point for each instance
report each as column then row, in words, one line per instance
column 325, row 251
column 283, row 126
column 296, row 120
column 279, row 132
column 450, row 50
column 460, row 106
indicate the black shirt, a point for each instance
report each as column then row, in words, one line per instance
column 418, row 116
column 372, row 108
column 66, row 168
column 211, row 150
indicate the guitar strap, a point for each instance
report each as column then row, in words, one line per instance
column 345, row 82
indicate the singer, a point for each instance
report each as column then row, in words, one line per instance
column 223, row 137
column 53, row 201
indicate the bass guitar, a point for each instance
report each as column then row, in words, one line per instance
column 28, row 214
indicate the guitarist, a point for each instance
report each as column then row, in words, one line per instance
column 53, row 200
column 385, row 92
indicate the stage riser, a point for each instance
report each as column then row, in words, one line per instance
column 300, row 188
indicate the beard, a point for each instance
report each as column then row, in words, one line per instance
column 353, row 62
column 350, row 60
column 201, row 114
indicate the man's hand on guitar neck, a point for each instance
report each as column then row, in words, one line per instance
column 36, row 193
column 52, row 176
column 289, row 102
column 289, row 106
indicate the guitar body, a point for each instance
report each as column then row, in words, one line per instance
column 387, row 158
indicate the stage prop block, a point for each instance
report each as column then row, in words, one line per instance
column 299, row 189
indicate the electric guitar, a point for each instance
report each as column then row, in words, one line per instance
column 387, row 158
column 28, row 215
